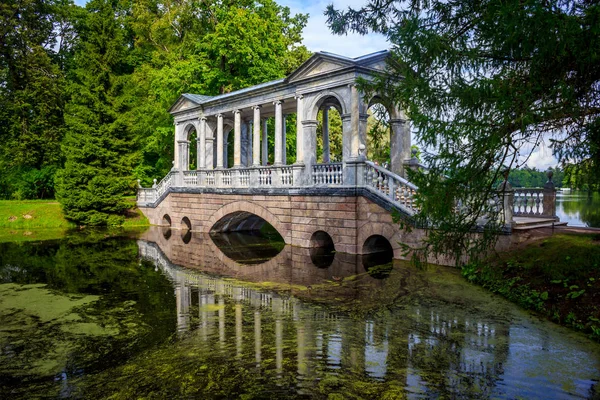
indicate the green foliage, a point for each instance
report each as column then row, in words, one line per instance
column 97, row 146
column 32, row 94
column 557, row 276
column 87, row 90
column 532, row 178
column 483, row 83
column 213, row 48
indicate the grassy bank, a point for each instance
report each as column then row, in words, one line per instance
column 30, row 214
column 558, row 277
column 44, row 220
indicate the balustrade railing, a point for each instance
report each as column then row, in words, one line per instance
column 380, row 181
column 528, row 202
column 264, row 177
column 190, row 178
column 328, row 174
column 393, row 187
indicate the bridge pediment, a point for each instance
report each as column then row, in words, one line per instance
column 317, row 65
column 324, row 63
column 188, row 101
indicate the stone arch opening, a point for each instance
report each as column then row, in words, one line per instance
column 191, row 136
column 244, row 221
column 379, row 133
column 328, row 111
column 378, row 256
column 322, row 249
column 166, row 220
column 186, row 224
column 388, row 137
column 234, row 209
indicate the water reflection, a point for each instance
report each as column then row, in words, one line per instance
column 435, row 337
column 579, row 208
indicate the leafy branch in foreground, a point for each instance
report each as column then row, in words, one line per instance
column 484, row 83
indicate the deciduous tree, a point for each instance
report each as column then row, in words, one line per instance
column 483, row 82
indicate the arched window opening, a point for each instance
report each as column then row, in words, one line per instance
column 379, row 133
column 166, row 220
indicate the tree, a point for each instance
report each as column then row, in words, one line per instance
column 34, row 37
column 98, row 146
column 206, row 48
column 482, row 82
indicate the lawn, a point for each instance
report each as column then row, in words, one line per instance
column 558, row 276
column 30, row 214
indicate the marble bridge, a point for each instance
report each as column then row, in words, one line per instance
column 313, row 196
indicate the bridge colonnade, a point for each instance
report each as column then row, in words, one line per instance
column 324, row 81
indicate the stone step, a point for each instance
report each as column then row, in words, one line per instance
column 527, row 226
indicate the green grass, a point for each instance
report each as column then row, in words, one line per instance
column 558, row 276
column 30, row 220
column 30, row 214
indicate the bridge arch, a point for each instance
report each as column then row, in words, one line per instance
column 248, row 207
column 385, row 230
column 186, row 224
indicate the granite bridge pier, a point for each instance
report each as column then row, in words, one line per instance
column 311, row 199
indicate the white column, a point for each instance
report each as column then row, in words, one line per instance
column 326, row 157
column 284, row 140
column 256, row 137
column 265, row 144
column 237, row 139
column 184, row 155
column 201, row 145
column 399, row 145
column 299, row 130
column 220, row 141
column 278, row 160
column 249, row 143
column 176, row 161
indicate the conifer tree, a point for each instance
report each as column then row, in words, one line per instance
column 97, row 145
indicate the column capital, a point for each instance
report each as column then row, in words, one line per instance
column 219, row 115
column 202, row 119
column 299, row 96
column 257, row 107
column 310, row 122
column 278, row 102
column 237, row 111
column 397, row 120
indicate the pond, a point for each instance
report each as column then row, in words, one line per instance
column 578, row 208
column 168, row 315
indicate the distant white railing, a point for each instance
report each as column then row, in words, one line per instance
column 391, row 186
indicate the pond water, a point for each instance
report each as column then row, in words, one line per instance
column 169, row 315
column 579, row 208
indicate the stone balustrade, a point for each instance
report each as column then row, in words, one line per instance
column 381, row 183
column 395, row 188
column 537, row 203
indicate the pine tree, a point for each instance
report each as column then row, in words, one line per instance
column 97, row 145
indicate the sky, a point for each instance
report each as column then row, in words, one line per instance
column 318, row 37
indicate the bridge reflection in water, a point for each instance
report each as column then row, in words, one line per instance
column 297, row 331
